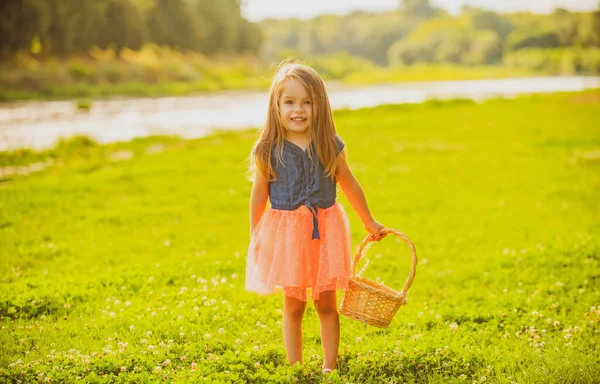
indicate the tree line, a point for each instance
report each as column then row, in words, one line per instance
column 66, row 27
column 420, row 33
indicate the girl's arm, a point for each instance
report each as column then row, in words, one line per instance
column 356, row 196
column 258, row 199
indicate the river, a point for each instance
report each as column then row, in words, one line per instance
column 40, row 124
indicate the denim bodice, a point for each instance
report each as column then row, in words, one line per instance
column 302, row 182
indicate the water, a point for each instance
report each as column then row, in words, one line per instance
column 40, row 124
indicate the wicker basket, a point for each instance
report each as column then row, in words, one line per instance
column 371, row 302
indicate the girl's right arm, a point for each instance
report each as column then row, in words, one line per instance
column 258, row 199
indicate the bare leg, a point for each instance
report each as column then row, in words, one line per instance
column 330, row 327
column 293, row 311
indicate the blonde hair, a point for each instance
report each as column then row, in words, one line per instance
column 322, row 129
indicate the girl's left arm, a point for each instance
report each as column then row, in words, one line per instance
column 356, row 196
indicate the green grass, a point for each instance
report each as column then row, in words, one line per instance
column 155, row 72
column 424, row 72
column 133, row 271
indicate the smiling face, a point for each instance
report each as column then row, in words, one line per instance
column 295, row 108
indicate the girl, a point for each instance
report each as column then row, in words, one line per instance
column 303, row 240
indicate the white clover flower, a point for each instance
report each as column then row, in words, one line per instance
column 157, row 369
column 256, row 365
column 207, row 336
column 131, row 328
column 358, row 339
column 112, row 314
column 123, row 368
column 166, row 363
column 128, row 303
column 221, row 331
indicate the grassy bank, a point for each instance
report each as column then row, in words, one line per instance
column 133, row 271
column 437, row 72
column 154, row 72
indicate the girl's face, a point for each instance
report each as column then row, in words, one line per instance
column 295, row 107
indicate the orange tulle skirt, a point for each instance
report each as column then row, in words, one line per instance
column 282, row 253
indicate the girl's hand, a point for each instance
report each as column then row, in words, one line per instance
column 375, row 228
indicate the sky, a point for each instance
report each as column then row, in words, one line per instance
column 256, row 10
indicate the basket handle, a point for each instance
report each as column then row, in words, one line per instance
column 366, row 243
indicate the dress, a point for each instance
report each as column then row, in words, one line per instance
column 302, row 242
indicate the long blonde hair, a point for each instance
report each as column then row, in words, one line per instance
column 322, row 131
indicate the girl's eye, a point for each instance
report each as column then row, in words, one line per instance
column 307, row 102
column 288, row 102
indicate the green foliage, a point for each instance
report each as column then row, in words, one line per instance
column 123, row 27
column 362, row 34
column 21, row 22
column 83, row 104
column 151, row 71
column 417, row 8
column 66, row 27
column 486, row 20
column 475, row 37
column 532, row 39
column 556, row 61
column 132, row 271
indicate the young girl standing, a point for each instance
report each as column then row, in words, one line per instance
column 303, row 240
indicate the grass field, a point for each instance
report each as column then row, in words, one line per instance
column 133, row 270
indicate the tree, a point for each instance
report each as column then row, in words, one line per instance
column 250, row 37
column 172, row 23
column 123, row 28
column 20, row 22
column 219, row 23
column 417, row 8
column 492, row 21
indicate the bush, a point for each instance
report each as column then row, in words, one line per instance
column 80, row 71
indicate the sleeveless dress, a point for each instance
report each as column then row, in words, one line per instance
column 302, row 241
